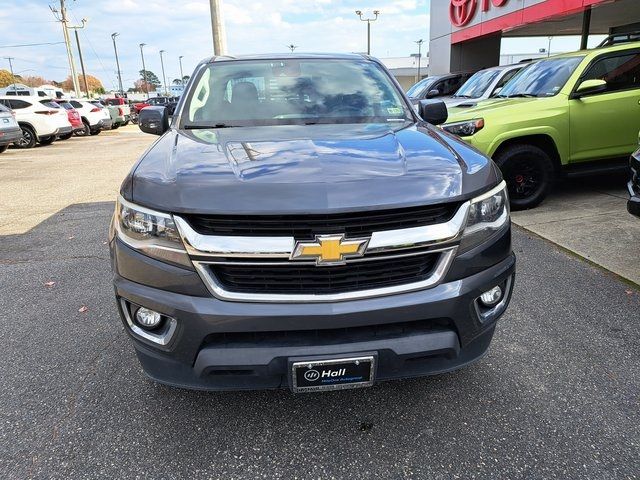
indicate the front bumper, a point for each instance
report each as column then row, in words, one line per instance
column 222, row 345
column 9, row 136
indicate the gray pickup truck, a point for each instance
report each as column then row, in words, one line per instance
column 298, row 225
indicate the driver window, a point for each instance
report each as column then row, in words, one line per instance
column 620, row 73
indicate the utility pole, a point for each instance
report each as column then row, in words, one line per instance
column 115, row 49
column 164, row 77
column 181, row 74
column 61, row 16
column 13, row 77
column 368, row 20
column 217, row 28
column 84, row 74
column 549, row 49
column 419, row 42
column 144, row 71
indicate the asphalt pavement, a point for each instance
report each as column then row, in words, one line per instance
column 557, row 397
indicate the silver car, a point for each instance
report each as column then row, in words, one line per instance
column 9, row 130
column 483, row 85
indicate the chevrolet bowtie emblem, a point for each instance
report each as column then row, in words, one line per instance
column 329, row 249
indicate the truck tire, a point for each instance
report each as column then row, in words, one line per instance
column 47, row 140
column 66, row 136
column 125, row 123
column 95, row 131
column 28, row 139
column 529, row 173
column 3, row 148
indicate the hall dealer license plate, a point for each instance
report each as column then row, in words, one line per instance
column 333, row 374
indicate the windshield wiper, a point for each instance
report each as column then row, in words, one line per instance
column 206, row 127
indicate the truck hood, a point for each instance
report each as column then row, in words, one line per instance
column 487, row 107
column 294, row 169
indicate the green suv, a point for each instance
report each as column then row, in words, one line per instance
column 571, row 113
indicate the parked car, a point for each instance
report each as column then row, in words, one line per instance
column 634, row 185
column 39, row 119
column 95, row 119
column 74, row 119
column 289, row 230
column 9, row 130
column 169, row 102
column 123, row 104
column 573, row 114
column 437, row 86
column 116, row 114
column 482, row 85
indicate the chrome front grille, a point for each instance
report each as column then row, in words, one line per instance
column 265, row 268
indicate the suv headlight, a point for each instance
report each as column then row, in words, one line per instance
column 465, row 129
column 152, row 233
column 488, row 213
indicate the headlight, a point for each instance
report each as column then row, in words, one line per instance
column 488, row 213
column 149, row 232
column 465, row 129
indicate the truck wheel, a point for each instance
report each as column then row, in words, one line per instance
column 95, row 131
column 47, row 141
column 3, row 148
column 28, row 139
column 529, row 173
column 84, row 131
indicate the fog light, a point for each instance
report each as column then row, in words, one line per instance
column 148, row 318
column 491, row 297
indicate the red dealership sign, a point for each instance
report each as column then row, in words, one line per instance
column 462, row 12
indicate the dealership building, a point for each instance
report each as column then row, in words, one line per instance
column 467, row 34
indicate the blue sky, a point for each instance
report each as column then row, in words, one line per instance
column 183, row 28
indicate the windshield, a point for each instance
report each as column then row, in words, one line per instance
column 289, row 92
column 420, row 87
column 477, row 85
column 541, row 79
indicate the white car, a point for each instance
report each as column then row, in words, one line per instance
column 95, row 119
column 40, row 120
column 483, row 85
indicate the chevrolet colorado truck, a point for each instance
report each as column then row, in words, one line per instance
column 572, row 114
column 298, row 225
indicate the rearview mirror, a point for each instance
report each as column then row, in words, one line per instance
column 154, row 120
column 434, row 111
column 433, row 93
column 590, row 87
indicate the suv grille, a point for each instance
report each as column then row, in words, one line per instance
column 304, row 227
column 292, row 278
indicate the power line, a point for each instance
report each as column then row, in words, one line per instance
column 30, row 45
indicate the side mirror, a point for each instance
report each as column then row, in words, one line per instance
column 591, row 87
column 434, row 112
column 154, row 120
column 433, row 93
column 496, row 92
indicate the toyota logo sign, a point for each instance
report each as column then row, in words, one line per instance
column 462, row 12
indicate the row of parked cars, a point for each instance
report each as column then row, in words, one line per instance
column 29, row 120
column 567, row 115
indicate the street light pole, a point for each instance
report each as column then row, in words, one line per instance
column 144, row 71
column 368, row 20
column 115, row 49
column 181, row 74
column 419, row 42
column 549, row 48
column 164, row 78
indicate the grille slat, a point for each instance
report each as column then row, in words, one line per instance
column 307, row 226
column 310, row 279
